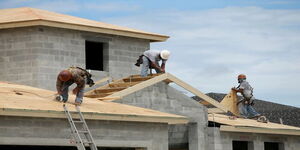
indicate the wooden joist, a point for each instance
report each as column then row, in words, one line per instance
column 197, row 92
column 125, row 84
column 108, row 90
column 140, row 86
column 137, row 79
column 215, row 110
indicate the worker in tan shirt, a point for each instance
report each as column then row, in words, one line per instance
column 69, row 76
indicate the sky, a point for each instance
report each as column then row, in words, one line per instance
column 211, row 41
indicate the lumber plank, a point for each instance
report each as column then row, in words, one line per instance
column 99, row 95
column 108, row 90
column 205, row 103
column 149, row 75
column 109, row 98
column 125, row 84
column 140, row 86
column 215, row 110
column 136, row 79
column 197, row 92
column 230, row 102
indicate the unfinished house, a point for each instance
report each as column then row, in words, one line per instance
column 128, row 112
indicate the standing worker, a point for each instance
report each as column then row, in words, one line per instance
column 69, row 76
column 245, row 105
column 150, row 59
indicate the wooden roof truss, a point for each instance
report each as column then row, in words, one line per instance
column 120, row 88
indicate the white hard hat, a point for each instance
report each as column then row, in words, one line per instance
column 164, row 54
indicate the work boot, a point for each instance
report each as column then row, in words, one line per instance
column 262, row 119
column 59, row 98
column 77, row 103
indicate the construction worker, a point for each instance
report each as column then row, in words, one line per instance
column 150, row 59
column 245, row 105
column 69, row 76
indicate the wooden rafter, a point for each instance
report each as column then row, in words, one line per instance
column 146, row 82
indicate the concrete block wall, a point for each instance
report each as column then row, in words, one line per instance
column 56, row 132
column 164, row 98
column 34, row 55
column 223, row 140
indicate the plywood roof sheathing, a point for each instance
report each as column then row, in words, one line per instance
column 26, row 17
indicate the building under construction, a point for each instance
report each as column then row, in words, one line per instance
column 125, row 111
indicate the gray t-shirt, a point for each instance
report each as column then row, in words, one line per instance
column 247, row 89
column 153, row 55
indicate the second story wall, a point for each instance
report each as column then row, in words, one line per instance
column 35, row 55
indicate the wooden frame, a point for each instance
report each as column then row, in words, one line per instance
column 167, row 77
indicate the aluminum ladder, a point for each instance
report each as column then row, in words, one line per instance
column 80, row 130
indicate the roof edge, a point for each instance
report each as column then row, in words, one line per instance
column 92, row 116
column 43, row 22
column 226, row 128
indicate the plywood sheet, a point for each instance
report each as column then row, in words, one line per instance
column 230, row 102
column 25, row 99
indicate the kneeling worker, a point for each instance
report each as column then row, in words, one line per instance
column 151, row 58
column 69, row 76
column 245, row 105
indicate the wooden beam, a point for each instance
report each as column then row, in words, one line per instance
column 215, row 111
column 196, row 92
column 125, row 84
column 137, row 79
column 226, row 128
column 108, row 90
column 109, row 98
column 205, row 103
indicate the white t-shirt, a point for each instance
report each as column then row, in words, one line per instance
column 154, row 56
column 247, row 89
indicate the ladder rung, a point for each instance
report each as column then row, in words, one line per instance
column 82, row 131
column 87, row 142
column 79, row 135
column 78, row 121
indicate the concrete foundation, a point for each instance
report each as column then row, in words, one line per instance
column 57, row 132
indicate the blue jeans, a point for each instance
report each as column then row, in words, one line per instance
column 146, row 65
column 65, row 95
column 247, row 111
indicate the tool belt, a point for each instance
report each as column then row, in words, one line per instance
column 89, row 80
column 139, row 61
column 250, row 102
